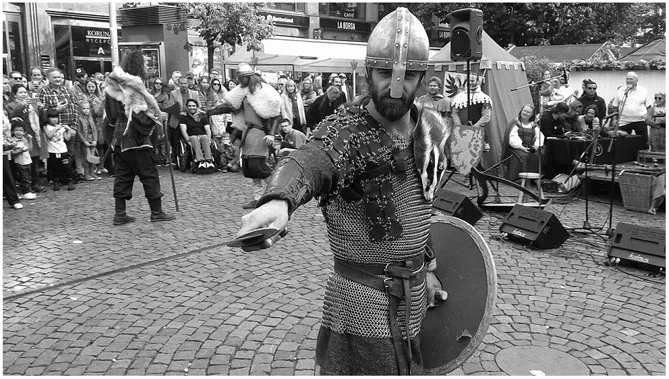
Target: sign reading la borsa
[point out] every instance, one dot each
(345, 25)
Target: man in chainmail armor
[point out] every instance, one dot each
(361, 167)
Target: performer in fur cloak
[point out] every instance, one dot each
(133, 113)
(257, 106)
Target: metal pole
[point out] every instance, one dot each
(113, 33)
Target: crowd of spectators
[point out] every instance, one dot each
(55, 132)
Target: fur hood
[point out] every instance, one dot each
(266, 102)
(130, 90)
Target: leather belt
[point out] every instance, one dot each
(401, 276)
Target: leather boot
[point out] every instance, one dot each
(157, 213)
(120, 217)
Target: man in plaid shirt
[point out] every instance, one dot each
(55, 95)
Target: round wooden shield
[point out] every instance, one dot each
(452, 331)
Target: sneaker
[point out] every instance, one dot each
(38, 189)
(224, 170)
(104, 170)
(18, 206)
(20, 195)
(96, 177)
(122, 219)
(200, 165)
(89, 178)
(71, 187)
(162, 216)
(211, 164)
(252, 204)
(29, 196)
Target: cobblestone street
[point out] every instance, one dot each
(83, 297)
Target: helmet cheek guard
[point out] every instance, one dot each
(398, 42)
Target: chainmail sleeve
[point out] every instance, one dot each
(300, 176)
(322, 167)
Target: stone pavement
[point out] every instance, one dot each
(82, 297)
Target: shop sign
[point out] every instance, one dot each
(286, 20)
(443, 34)
(345, 25)
(91, 42)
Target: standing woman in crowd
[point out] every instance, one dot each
(218, 122)
(308, 93)
(206, 97)
(29, 110)
(37, 81)
(657, 120)
(97, 103)
(163, 96)
(292, 107)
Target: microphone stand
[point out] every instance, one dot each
(611, 150)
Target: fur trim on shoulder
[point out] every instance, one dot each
(130, 90)
(266, 102)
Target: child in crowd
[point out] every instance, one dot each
(86, 141)
(229, 154)
(23, 143)
(58, 163)
(8, 184)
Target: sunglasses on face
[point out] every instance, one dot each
(591, 87)
(659, 98)
(216, 84)
(159, 83)
(16, 77)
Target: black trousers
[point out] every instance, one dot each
(255, 167)
(131, 163)
(8, 184)
(61, 168)
(639, 127)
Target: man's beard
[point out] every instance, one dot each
(391, 109)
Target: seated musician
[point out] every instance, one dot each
(589, 122)
(571, 123)
(525, 139)
(551, 123)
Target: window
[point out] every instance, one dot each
(345, 10)
(291, 7)
(385, 9)
(12, 44)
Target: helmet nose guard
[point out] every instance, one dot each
(398, 42)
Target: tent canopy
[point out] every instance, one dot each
(503, 72)
(293, 63)
(653, 50)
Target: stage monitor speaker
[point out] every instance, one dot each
(639, 244)
(541, 228)
(456, 205)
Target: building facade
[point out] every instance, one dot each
(77, 34)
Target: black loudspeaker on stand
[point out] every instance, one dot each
(541, 228)
(456, 205)
(639, 244)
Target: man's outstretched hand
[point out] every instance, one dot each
(273, 214)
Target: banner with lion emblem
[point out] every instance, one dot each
(466, 147)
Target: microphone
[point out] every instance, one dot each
(629, 87)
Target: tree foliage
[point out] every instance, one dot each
(235, 23)
(544, 23)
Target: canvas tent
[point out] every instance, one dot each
(653, 50)
(503, 72)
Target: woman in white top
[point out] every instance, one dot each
(525, 139)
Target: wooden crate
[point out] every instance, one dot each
(646, 156)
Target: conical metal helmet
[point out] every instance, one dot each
(244, 69)
(398, 42)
